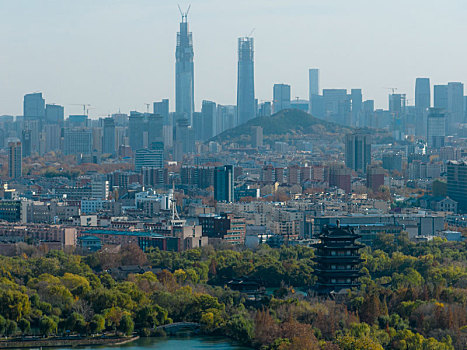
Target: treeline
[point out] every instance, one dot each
(412, 296)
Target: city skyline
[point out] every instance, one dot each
(99, 50)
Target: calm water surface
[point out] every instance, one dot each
(177, 343)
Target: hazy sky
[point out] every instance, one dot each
(120, 54)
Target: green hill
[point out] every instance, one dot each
(287, 124)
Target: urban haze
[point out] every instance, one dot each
(271, 175)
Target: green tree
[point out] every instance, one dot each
(240, 327)
(97, 324)
(348, 342)
(2, 325)
(126, 325)
(24, 325)
(11, 328)
(76, 323)
(47, 326)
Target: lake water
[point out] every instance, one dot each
(176, 343)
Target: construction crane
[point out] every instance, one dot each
(147, 107)
(251, 33)
(84, 105)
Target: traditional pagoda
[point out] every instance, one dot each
(337, 257)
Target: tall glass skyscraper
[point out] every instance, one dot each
(108, 138)
(281, 97)
(224, 183)
(313, 79)
(422, 103)
(455, 105)
(245, 81)
(422, 94)
(15, 160)
(34, 106)
(184, 72)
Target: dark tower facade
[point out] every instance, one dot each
(184, 72)
(337, 257)
(224, 183)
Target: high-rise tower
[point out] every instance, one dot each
(184, 71)
(422, 103)
(358, 151)
(15, 160)
(422, 94)
(245, 81)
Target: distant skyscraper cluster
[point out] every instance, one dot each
(42, 127)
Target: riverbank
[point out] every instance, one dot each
(64, 342)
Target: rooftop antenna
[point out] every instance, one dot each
(184, 14)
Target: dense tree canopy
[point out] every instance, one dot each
(413, 296)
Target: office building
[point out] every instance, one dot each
(281, 97)
(441, 97)
(246, 109)
(54, 114)
(313, 79)
(121, 119)
(13, 211)
(369, 114)
(392, 161)
(226, 117)
(184, 72)
(422, 103)
(34, 106)
(100, 188)
(108, 139)
(26, 142)
(149, 158)
(198, 126)
(224, 183)
(316, 107)
(455, 106)
(155, 124)
(457, 183)
(162, 108)
(358, 151)
(374, 177)
(225, 226)
(340, 177)
(265, 109)
(52, 137)
(397, 104)
(257, 137)
(77, 121)
(136, 130)
(77, 141)
(184, 139)
(336, 103)
(209, 120)
(31, 128)
(422, 94)
(15, 159)
(357, 104)
(436, 128)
